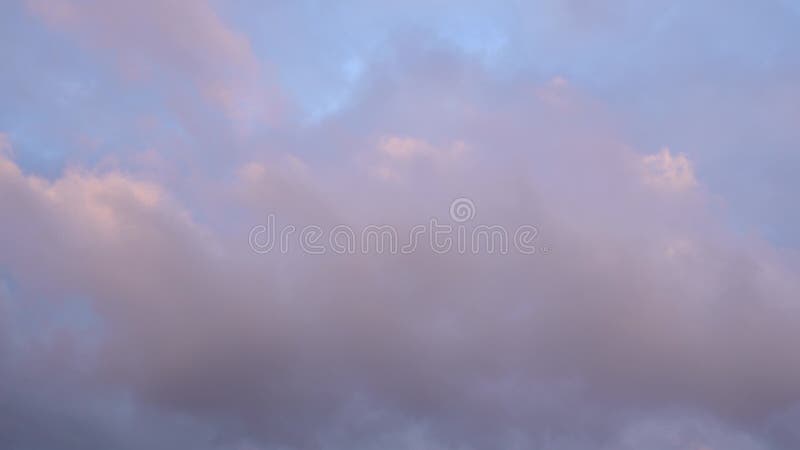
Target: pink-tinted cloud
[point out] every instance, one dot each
(187, 40)
(644, 305)
(135, 314)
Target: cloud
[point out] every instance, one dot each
(666, 172)
(186, 40)
(134, 314)
(396, 154)
(618, 322)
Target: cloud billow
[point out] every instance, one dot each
(135, 313)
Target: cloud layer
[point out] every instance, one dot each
(134, 314)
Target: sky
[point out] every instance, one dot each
(181, 182)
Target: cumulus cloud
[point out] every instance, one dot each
(135, 315)
(186, 40)
(567, 349)
(396, 154)
(667, 172)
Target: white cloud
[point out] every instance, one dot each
(666, 172)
